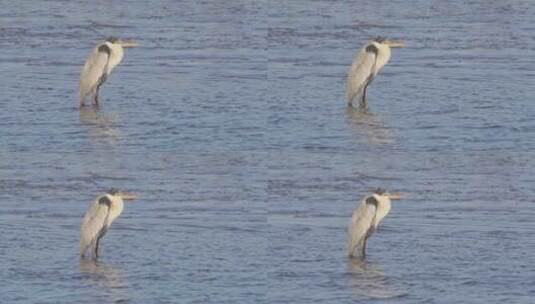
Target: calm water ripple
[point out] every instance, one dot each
(230, 122)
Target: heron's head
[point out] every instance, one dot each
(379, 39)
(391, 196)
(122, 42)
(390, 43)
(123, 195)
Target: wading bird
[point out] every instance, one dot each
(97, 220)
(368, 62)
(98, 66)
(366, 218)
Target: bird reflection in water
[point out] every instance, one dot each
(369, 125)
(368, 281)
(99, 125)
(109, 281)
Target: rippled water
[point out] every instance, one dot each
(230, 123)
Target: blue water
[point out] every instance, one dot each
(229, 121)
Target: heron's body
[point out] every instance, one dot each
(365, 220)
(98, 66)
(103, 211)
(98, 219)
(367, 63)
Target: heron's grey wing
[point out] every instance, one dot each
(361, 221)
(360, 74)
(94, 222)
(95, 68)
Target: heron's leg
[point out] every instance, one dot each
(95, 253)
(363, 248)
(100, 82)
(363, 101)
(95, 97)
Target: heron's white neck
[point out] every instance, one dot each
(116, 55)
(382, 56)
(116, 208)
(383, 207)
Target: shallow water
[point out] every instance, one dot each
(228, 114)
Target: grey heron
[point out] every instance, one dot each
(366, 218)
(99, 64)
(370, 59)
(97, 220)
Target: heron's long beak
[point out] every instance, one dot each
(393, 44)
(396, 196)
(128, 43)
(128, 196)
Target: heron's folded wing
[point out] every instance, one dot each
(361, 222)
(359, 74)
(95, 66)
(94, 221)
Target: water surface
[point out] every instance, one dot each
(230, 123)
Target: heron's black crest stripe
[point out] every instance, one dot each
(372, 49)
(372, 201)
(105, 201)
(104, 49)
